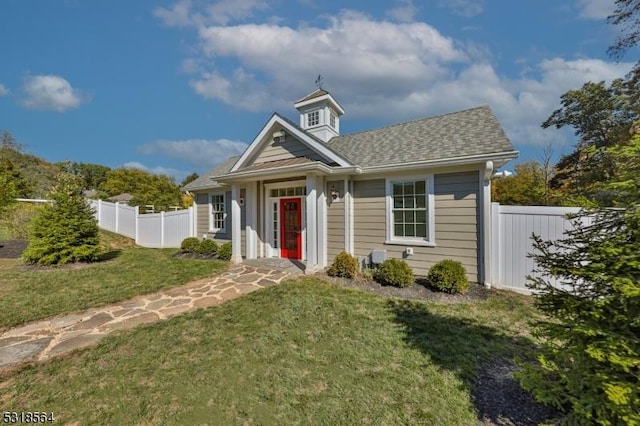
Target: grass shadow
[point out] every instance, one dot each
(481, 356)
(108, 255)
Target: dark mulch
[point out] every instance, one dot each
(420, 291)
(497, 395)
(12, 249)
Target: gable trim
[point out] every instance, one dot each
(301, 135)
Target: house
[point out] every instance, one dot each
(125, 197)
(419, 190)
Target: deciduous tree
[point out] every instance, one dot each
(146, 188)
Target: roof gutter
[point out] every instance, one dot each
(453, 161)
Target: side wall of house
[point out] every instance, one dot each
(335, 219)
(202, 213)
(456, 223)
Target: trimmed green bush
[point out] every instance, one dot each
(64, 230)
(344, 265)
(190, 245)
(449, 276)
(207, 246)
(225, 251)
(394, 272)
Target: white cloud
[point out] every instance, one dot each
(177, 16)
(52, 93)
(224, 11)
(185, 13)
(595, 9)
(198, 153)
(3, 90)
(400, 71)
(405, 12)
(391, 60)
(466, 8)
(177, 174)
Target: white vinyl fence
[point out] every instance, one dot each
(511, 243)
(157, 230)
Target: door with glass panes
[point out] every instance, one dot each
(291, 228)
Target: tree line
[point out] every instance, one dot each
(26, 176)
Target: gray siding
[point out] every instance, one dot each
(335, 220)
(202, 212)
(289, 148)
(456, 223)
(202, 208)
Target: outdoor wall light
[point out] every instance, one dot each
(334, 194)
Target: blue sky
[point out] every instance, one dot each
(178, 86)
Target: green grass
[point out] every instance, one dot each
(5, 234)
(27, 295)
(304, 352)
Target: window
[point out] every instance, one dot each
(217, 212)
(332, 120)
(410, 207)
(289, 192)
(313, 118)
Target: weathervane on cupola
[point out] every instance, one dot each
(320, 113)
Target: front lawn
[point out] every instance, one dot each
(303, 352)
(33, 293)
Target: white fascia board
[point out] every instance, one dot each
(288, 171)
(256, 142)
(506, 156)
(302, 136)
(334, 104)
(319, 147)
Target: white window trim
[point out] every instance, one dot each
(224, 216)
(430, 241)
(268, 200)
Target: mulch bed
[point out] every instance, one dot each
(12, 249)
(420, 291)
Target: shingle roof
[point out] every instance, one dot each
(313, 95)
(474, 131)
(206, 180)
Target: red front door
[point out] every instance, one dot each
(291, 228)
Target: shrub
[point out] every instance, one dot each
(225, 251)
(344, 265)
(394, 272)
(207, 246)
(449, 276)
(190, 245)
(65, 230)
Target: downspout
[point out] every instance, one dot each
(485, 225)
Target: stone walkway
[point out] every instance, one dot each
(44, 339)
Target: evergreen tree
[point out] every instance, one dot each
(589, 364)
(65, 229)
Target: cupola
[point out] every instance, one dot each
(320, 114)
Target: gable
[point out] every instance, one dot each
(284, 149)
(281, 140)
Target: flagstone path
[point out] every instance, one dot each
(44, 339)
